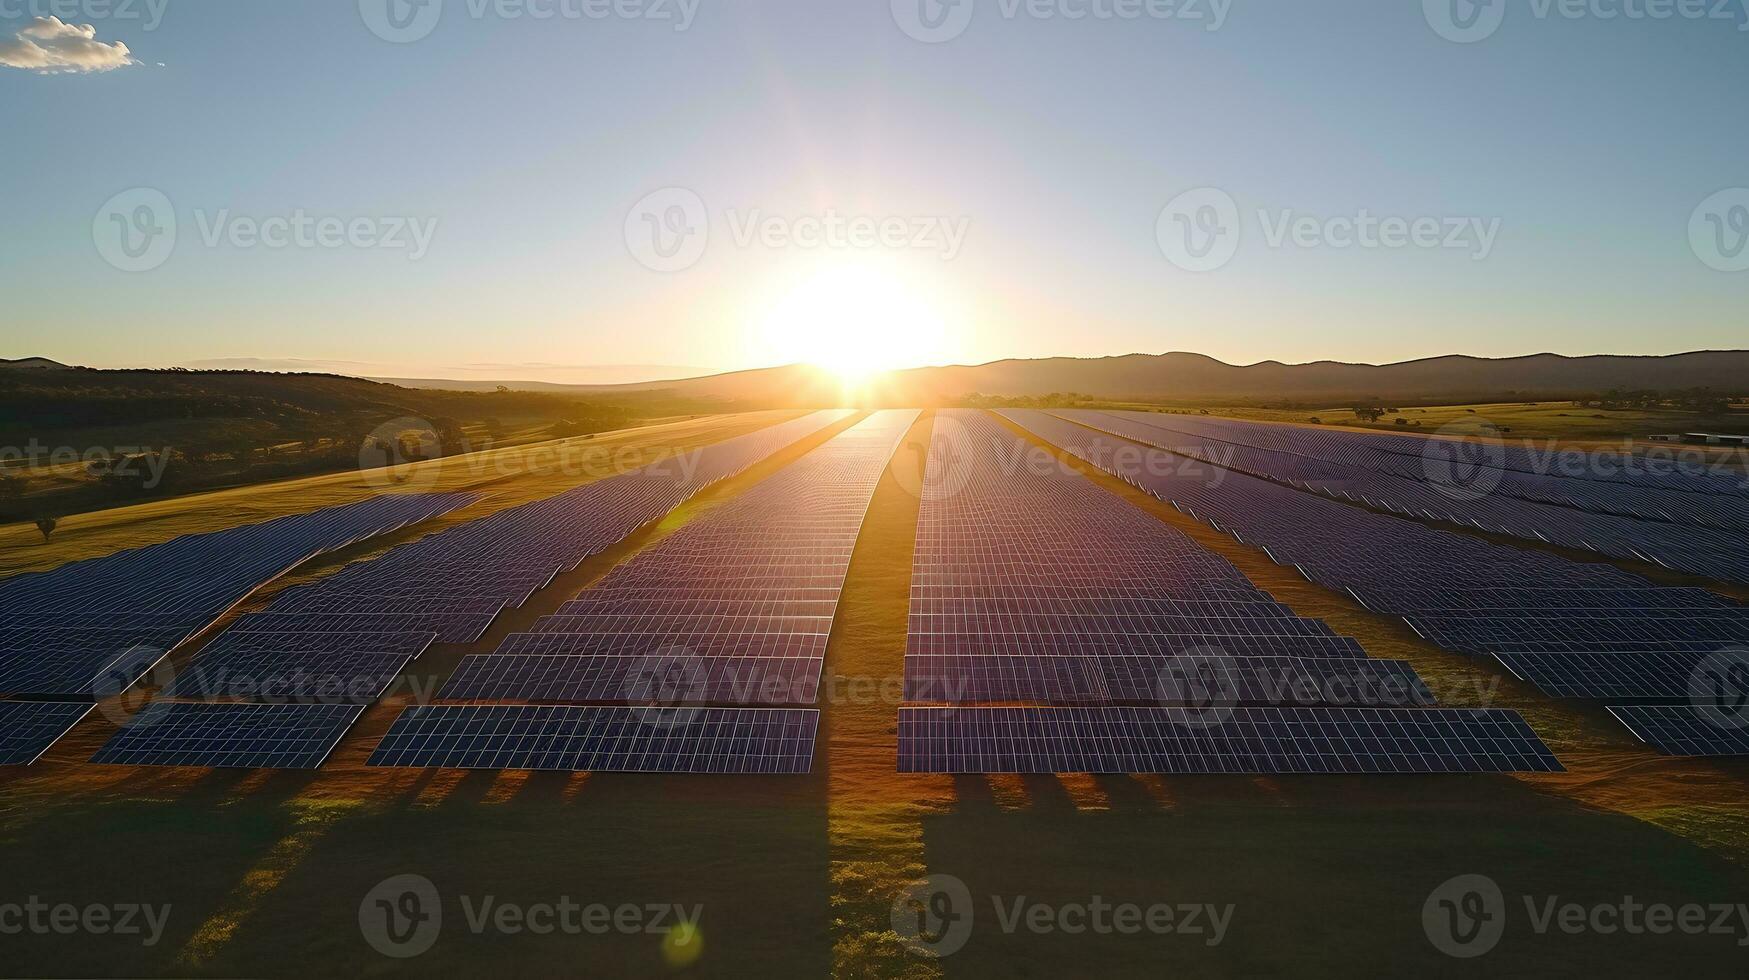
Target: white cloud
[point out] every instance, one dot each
(50, 46)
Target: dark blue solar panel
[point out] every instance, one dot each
(230, 736)
(1239, 740)
(28, 728)
(1195, 680)
(1640, 676)
(348, 678)
(658, 679)
(1686, 729)
(602, 739)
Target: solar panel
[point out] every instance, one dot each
(352, 677)
(1193, 680)
(28, 728)
(1641, 676)
(85, 663)
(734, 607)
(1238, 740)
(450, 628)
(602, 739)
(230, 736)
(1459, 591)
(98, 625)
(1686, 729)
(655, 679)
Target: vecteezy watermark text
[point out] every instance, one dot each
(403, 916)
(1468, 916)
(935, 21)
(668, 230)
(1469, 21)
(38, 917)
(406, 21)
(937, 915)
(138, 230)
(1201, 230)
(149, 13)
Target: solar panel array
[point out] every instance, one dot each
(1691, 522)
(343, 640)
(95, 626)
(1574, 629)
(1244, 740)
(1030, 584)
(1686, 729)
(732, 609)
(28, 728)
(92, 628)
(574, 738)
(230, 736)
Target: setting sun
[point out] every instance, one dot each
(855, 321)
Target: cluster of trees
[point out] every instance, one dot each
(1371, 410)
(1056, 399)
(216, 429)
(1700, 401)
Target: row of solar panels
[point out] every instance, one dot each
(347, 637)
(96, 626)
(1607, 483)
(810, 511)
(351, 634)
(1461, 493)
(1133, 648)
(1584, 630)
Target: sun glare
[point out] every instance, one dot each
(855, 321)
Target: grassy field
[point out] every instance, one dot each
(796, 876)
(1563, 421)
(506, 477)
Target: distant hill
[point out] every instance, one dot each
(1195, 378)
(31, 364)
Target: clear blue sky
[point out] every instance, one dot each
(529, 141)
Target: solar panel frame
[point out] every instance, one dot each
(593, 738)
(1273, 741)
(230, 735)
(29, 728)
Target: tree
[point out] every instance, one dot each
(46, 525)
(450, 438)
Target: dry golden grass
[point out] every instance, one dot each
(510, 476)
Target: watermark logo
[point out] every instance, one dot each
(1464, 461)
(149, 13)
(1464, 21)
(1465, 916)
(402, 916)
(135, 231)
(120, 692)
(933, 917)
(1718, 687)
(936, 21)
(936, 469)
(36, 916)
(391, 454)
(1718, 231)
(668, 230)
(1202, 683)
(401, 21)
(665, 688)
(1199, 230)
(933, 21)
